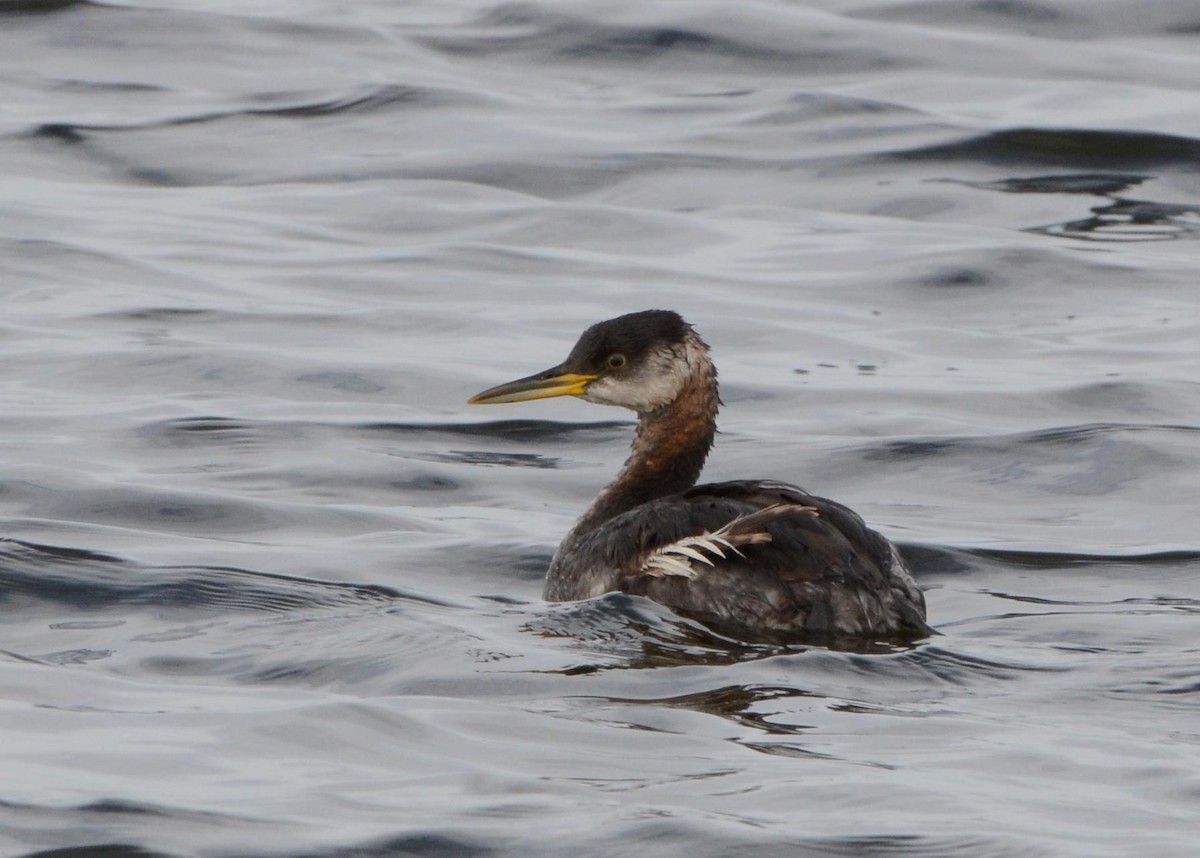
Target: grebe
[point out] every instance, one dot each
(764, 559)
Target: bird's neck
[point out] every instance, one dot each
(669, 449)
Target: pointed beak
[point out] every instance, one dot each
(541, 385)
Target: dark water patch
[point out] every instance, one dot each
(176, 512)
(104, 86)
(166, 314)
(53, 577)
(935, 559)
(489, 457)
(1184, 683)
(1065, 560)
(1005, 15)
(188, 426)
(533, 30)
(87, 624)
(59, 132)
(1044, 20)
(1130, 220)
(369, 100)
(425, 483)
(1116, 150)
(590, 42)
(1095, 184)
(416, 845)
(119, 807)
(219, 432)
(644, 42)
(38, 7)
(524, 431)
(349, 382)
(1096, 443)
(1190, 605)
(931, 560)
(101, 850)
(1121, 219)
(958, 278)
(300, 106)
(56, 554)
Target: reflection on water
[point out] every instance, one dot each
(269, 586)
(1131, 220)
(1122, 219)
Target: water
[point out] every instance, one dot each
(271, 588)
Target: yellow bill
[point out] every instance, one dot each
(542, 385)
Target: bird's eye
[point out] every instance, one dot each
(617, 360)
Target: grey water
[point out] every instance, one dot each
(269, 587)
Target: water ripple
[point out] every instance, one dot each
(55, 575)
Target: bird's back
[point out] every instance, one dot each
(761, 558)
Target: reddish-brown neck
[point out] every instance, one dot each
(669, 450)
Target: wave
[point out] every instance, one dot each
(1079, 148)
(52, 576)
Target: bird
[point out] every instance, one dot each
(756, 559)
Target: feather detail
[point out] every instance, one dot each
(679, 558)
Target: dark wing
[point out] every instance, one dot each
(820, 572)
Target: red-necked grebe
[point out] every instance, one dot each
(763, 558)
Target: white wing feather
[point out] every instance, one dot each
(676, 558)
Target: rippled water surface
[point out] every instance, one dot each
(270, 587)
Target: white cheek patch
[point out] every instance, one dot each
(652, 386)
(601, 392)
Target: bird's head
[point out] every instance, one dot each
(640, 361)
